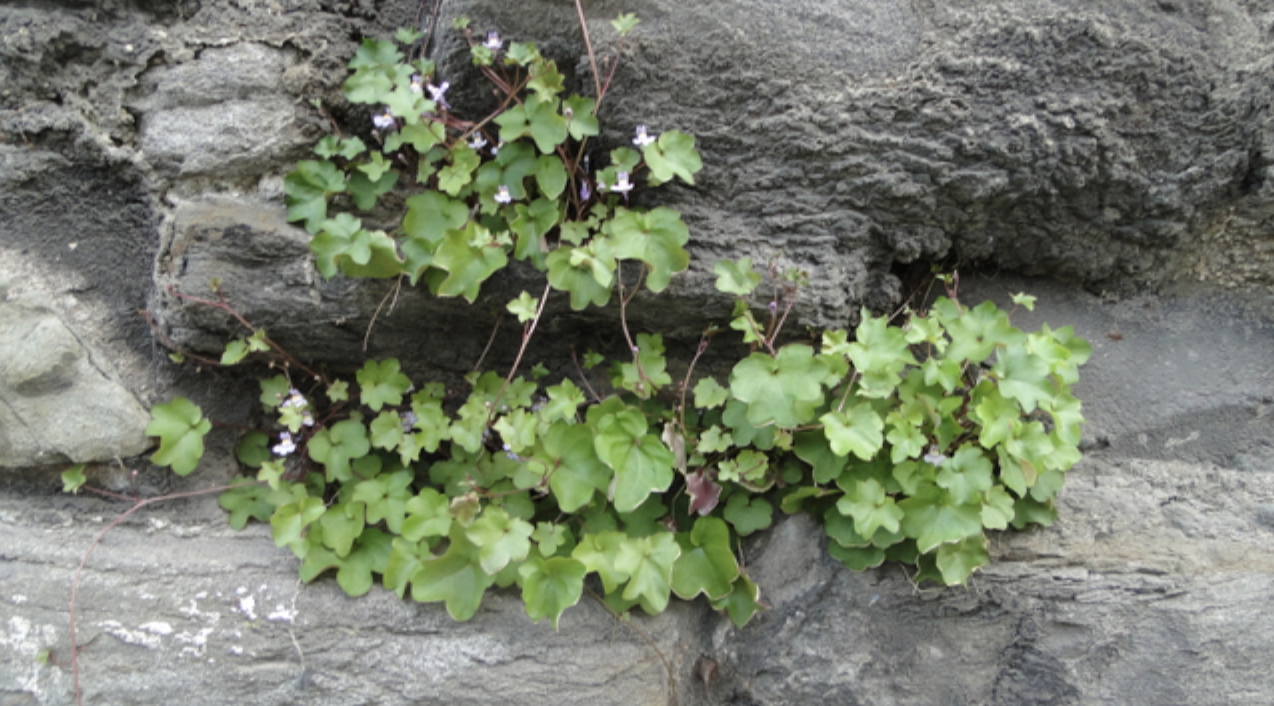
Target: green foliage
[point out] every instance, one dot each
(907, 441)
(180, 427)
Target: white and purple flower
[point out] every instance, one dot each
(643, 138)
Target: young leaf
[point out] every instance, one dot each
(73, 478)
(642, 464)
(707, 564)
(782, 389)
(455, 577)
(673, 154)
(736, 278)
(382, 384)
(180, 427)
(550, 586)
(748, 514)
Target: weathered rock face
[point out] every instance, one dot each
(1123, 146)
(57, 405)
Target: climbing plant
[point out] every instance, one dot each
(908, 438)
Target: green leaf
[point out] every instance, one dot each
(427, 515)
(598, 553)
(564, 402)
(332, 146)
(499, 538)
(736, 278)
(382, 384)
(550, 586)
(469, 258)
(455, 577)
(290, 520)
(997, 508)
(743, 602)
(625, 24)
(253, 449)
(857, 558)
(546, 82)
(576, 471)
(539, 118)
(582, 122)
(656, 238)
(1023, 377)
(856, 431)
(642, 464)
(180, 427)
(673, 154)
(307, 189)
(648, 562)
(880, 353)
(576, 270)
(966, 475)
(932, 518)
(714, 440)
(958, 560)
(73, 478)
(707, 564)
(871, 509)
(455, 176)
(406, 35)
(710, 394)
(366, 188)
(549, 537)
(386, 498)
(342, 524)
(782, 389)
(748, 515)
(246, 500)
(749, 466)
(531, 224)
(975, 333)
(524, 307)
(337, 445)
(813, 448)
(550, 175)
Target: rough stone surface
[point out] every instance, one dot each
(1123, 146)
(56, 404)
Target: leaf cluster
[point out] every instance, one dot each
(908, 441)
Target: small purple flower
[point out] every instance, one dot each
(495, 149)
(478, 141)
(385, 120)
(295, 399)
(584, 191)
(416, 83)
(622, 185)
(934, 457)
(285, 445)
(438, 93)
(502, 195)
(642, 138)
(409, 420)
(774, 307)
(493, 41)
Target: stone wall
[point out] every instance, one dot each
(1118, 153)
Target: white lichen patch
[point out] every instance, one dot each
(248, 606)
(25, 640)
(282, 614)
(196, 644)
(157, 628)
(18, 599)
(140, 638)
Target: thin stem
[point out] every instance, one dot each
(398, 284)
(592, 58)
(704, 340)
(494, 330)
(526, 340)
(584, 378)
(222, 305)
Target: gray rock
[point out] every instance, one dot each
(58, 406)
